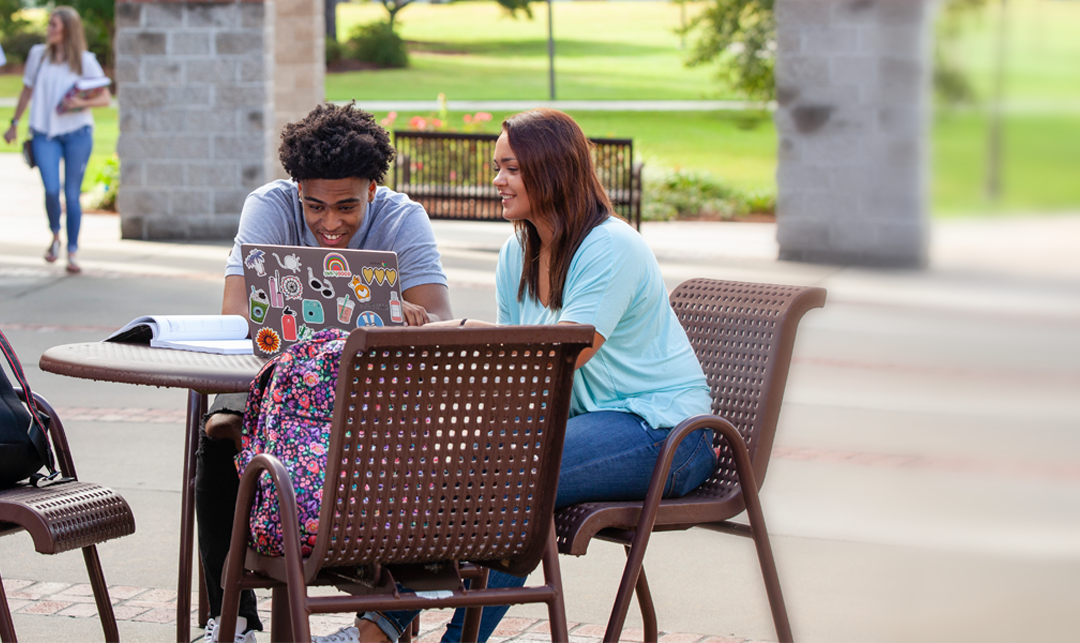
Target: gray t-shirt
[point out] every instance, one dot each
(272, 214)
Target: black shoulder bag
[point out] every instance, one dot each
(24, 444)
(28, 144)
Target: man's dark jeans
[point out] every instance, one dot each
(216, 486)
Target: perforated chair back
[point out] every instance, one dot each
(445, 447)
(442, 441)
(743, 335)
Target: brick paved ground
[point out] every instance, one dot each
(150, 605)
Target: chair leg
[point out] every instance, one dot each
(7, 627)
(768, 565)
(470, 629)
(281, 625)
(553, 577)
(101, 594)
(635, 555)
(645, 603)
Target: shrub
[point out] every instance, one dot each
(690, 194)
(377, 43)
(673, 194)
(761, 201)
(17, 45)
(335, 51)
(102, 196)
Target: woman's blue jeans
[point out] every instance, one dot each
(607, 456)
(74, 148)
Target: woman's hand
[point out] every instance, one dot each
(11, 134)
(74, 102)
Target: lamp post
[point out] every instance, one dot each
(551, 54)
(993, 156)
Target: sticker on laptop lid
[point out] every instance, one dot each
(335, 265)
(256, 260)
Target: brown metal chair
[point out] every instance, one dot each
(444, 450)
(743, 335)
(62, 517)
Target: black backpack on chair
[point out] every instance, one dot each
(24, 443)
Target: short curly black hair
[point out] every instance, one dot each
(336, 142)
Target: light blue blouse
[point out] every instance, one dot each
(646, 365)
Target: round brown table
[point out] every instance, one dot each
(199, 373)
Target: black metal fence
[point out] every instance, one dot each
(450, 174)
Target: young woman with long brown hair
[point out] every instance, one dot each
(572, 261)
(61, 124)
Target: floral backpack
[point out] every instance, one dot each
(288, 415)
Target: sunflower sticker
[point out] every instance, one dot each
(268, 341)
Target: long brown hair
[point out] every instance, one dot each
(557, 169)
(74, 43)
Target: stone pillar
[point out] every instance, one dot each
(196, 111)
(299, 66)
(853, 81)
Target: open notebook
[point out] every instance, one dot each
(295, 291)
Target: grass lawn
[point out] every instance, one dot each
(474, 51)
(1040, 170)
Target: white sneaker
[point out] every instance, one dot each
(241, 622)
(348, 634)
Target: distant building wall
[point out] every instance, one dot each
(198, 86)
(853, 82)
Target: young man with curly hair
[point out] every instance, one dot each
(337, 156)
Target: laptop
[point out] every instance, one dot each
(296, 291)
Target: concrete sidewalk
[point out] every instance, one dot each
(925, 482)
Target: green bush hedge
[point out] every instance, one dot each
(691, 194)
(377, 43)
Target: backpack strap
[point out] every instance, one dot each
(38, 430)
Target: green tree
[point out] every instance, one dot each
(951, 83)
(98, 18)
(739, 36)
(10, 21)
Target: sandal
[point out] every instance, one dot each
(72, 267)
(53, 253)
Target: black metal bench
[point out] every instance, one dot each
(450, 174)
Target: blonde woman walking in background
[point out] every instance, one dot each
(60, 123)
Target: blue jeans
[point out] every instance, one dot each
(607, 456)
(74, 148)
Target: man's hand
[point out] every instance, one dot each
(426, 303)
(415, 315)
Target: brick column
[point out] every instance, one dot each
(853, 87)
(299, 65)
(196, 114)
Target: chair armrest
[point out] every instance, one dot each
(57, 436)
(290, 529)
(743, 465)
(245, 497)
